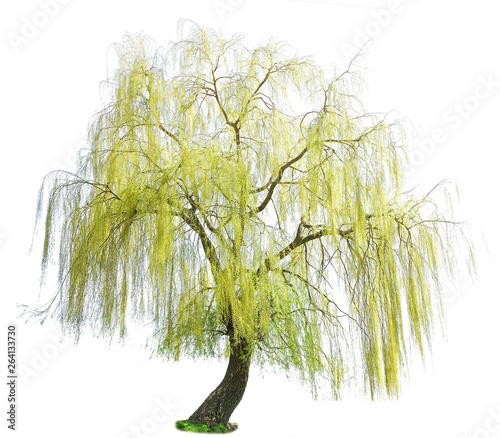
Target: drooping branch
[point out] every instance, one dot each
(326, 297)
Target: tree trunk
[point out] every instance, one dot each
(220, 404)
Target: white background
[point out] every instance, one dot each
(428, 61)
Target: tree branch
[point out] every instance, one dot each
(172, 136)
(274, 183)
(194, 223)
(299, 240)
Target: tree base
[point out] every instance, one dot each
(198, 426)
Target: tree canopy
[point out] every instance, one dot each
(244, 193)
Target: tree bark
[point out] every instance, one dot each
(220, 404)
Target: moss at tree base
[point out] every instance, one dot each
(195, 426)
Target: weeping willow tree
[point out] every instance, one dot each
(246, 206)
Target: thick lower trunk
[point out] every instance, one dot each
(220, 404)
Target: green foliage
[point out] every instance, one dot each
(191, 426)
(242, 192)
